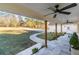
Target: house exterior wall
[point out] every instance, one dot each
(65, 28)
(78, 28)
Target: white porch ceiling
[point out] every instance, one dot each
(37, 10)
(20, 10)
(41, 8)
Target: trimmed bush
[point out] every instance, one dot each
(74, 41)
(34, 50)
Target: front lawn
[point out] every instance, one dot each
(50, 35)
(12, 42)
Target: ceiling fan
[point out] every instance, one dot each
(68, 22)
(61, 11)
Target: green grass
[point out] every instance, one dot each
(12, 42)
(50, 36)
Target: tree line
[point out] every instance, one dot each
(17, 21)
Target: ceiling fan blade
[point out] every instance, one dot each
(69, 6)
(54, 15)
(64, 12)
(48, 14)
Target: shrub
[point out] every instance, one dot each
(34, 50)
(74, 41)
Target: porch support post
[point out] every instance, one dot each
(46, 33)
(61, 27)
(56, 28)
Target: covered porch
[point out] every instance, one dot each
(39, 11)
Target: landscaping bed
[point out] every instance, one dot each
(50, 35)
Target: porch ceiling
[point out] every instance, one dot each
(41, 8)
(37, 10)
(20, 10)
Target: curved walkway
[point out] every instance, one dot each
(37, 39)
(28, 51)
(56, 47)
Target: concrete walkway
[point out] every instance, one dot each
(37, 39)
(39, 44)
(60, 46)
(28, 51)
(56, 47)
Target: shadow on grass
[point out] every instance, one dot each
(14, 43)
